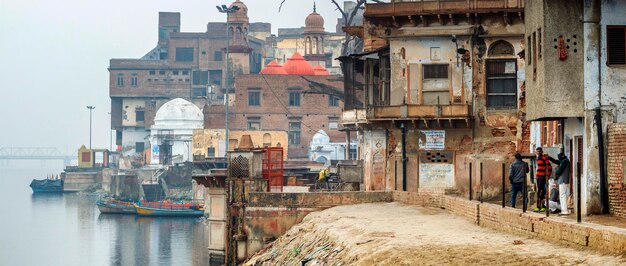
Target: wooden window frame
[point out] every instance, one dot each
(608, 50)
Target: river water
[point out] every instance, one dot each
(68, 229)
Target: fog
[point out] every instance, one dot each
(54, 57)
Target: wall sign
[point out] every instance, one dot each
(432, 139)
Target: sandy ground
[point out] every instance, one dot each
(397, 234)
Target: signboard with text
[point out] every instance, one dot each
(432, 139)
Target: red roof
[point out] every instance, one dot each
(297, 65)
(320, 71)
(273, 68)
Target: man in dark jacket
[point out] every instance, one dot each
(517, 176)
(563, 178)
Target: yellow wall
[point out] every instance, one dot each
(205, 138)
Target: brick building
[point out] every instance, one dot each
(188, 65)
(299, 103)
(438, 87)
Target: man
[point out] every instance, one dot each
(517, 176)
(553, 204)
(544, 170)
(323, 177)
(562, 176)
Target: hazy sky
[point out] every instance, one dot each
(54, 57)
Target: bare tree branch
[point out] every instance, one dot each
(281, 5)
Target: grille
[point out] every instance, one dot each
(240, 167)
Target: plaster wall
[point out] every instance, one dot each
(130, 137)
(205, 138)
(129, 115)
(613, 76)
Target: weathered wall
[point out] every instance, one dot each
(205, 138)
(554, 85)
(613, 76)
(81, 181)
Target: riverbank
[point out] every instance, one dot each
(398, 234)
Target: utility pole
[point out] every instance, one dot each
(227, 11)
(90, 111)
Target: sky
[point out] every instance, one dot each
(54, 57)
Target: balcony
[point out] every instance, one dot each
(439, 114)
(354, 116)
(430, 7)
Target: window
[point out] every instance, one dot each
(200, 77)
(333, 124)
(184, 54)
(254, 98)
(217, 56)
(185, 72)
(529, 51)
(175, 72)
(139, 115)
(333, 101)
(294, 132)
(120, 80)
(534, 58)
(539, 43)
(294, 98)
(210, 152)
(616, 45)
(161, 72)
(254, 125)
(133, 80)
(436, 71)
(199, 92)
(152, 72)
(139, 147)
(502, 84)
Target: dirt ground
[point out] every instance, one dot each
(397, 234)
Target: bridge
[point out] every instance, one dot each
(34, 153)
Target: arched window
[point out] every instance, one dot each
(317, 46)
(402, 53)
(501, 48)
(267, 140)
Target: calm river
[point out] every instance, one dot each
(68, 229)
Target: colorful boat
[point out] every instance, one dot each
(115, 206)
(172, 211)
(47, 185)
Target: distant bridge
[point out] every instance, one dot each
(34, 153)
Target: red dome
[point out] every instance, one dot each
(273, 68)
(320, 71)
(297, 65)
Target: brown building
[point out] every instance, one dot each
(188, 65)
(299, 104)
(440, 86)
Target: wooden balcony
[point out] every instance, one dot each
(430, 7)
(439, 114)
(354, 116)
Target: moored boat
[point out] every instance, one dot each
(172, 211)
(47, 185)
(115, 206)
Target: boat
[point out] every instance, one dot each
(174, 210)
(115, 206)
(47, 185)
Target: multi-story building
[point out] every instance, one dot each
(575, 89)
(296, 99)
(440, 86)
(188, 65)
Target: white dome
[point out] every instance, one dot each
(320, 137)
(178, 114)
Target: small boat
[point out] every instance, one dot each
(173, 211)
(115, 206)
(47, 185)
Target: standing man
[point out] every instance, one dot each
(517, 176)
(544, 170)
(562, 173)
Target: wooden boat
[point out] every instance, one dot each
(47, 185)
(115, 206)
(172, 211)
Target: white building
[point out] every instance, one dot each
(322, 150)
(171, 134)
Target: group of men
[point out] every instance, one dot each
(558, 196)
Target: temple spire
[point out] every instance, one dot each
(314, 8)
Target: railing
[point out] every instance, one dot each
(428, 7)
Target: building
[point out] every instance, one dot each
(323, 151)
(298, 102)
(439, 87)
(187, 65)
(171, 134)
(210, 143)
(312, 41)
(575, 93)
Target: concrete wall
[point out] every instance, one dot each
(205, 138)
(82, 181)
(126, 187)
(554, 85)
(613, 76)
